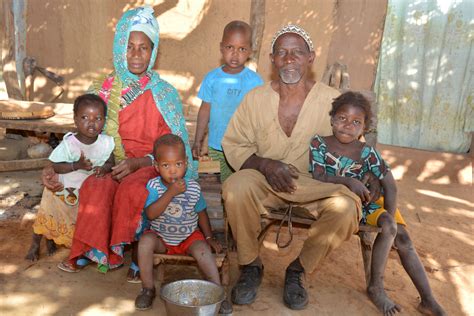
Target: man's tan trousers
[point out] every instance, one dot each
(247, 195)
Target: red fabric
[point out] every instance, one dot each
(109, 211)
(129, 201)
(140, 124)
(182, 248)
(94, 216)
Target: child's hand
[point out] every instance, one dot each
(177, 187)
(196, 150)
(99, 171)
(360, 189)
(214, 244)
(83, 163)
(373, 184)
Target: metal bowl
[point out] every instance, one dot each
(192, 297)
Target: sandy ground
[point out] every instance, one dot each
(435, 196)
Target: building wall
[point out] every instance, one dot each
(74, 38)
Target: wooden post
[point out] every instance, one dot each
(7, 34)
(257, 22)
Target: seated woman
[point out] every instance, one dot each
(140, 108)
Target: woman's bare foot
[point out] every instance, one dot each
(431, 308)
(51, 246)
(33, 252)
(380, 299)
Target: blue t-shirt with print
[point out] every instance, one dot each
(225, 92)
(180, 219)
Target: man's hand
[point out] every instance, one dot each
(373, 183)
(177, 187)
(50, 179)
(214, 244)
(124, 168)
(360, 189)
(280, 175)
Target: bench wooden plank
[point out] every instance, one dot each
(57, 124)
(182, 259)
(278, 215)
(62, 122)
(23, 164)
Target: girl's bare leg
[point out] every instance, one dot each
(381, 248)
(149, 244)
(51, 246)
(33, 252)
(413, 266)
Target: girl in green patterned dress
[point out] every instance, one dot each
(343, 159)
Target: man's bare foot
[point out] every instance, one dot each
(51, 246)
(431, 308)
(380, 299)
(33, 253)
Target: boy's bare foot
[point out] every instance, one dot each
(33, 253)
(51, 246)
(431, 308)
(382, 302)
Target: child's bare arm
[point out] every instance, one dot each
(205, 226)
(156, 208)
(202, 122)
(66, 167)
(389, 192)
(354, 185)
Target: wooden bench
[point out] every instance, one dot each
(366, 233)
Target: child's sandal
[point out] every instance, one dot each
(102, 268)
(66, 266)
(144, 300)
(133, 275)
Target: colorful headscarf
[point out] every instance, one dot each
(295, 29)
(139, 19)
(166, 97)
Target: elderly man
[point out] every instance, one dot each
(267, 141)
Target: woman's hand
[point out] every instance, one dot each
(360, 189)
(124, 168)
(50, 179)
(214, 244)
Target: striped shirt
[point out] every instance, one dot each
(180, 219)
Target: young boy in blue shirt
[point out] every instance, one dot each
(222, 91)
(179, 224)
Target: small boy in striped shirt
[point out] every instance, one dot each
(179, 222)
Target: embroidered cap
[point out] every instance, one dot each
(292, 28)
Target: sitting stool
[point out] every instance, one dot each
(222, 262)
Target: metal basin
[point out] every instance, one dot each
(192, 297)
